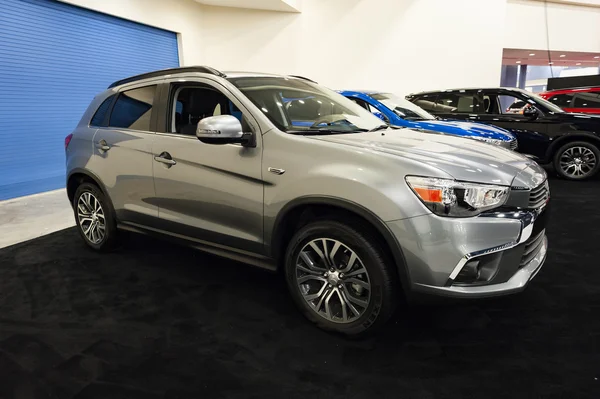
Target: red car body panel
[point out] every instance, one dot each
(548, 95)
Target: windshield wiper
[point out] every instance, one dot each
(316, 132)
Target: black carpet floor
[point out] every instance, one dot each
(155, 320)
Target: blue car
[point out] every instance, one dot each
(397, 111)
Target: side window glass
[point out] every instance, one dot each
(100, 115)
(376, 112)
(561, 100)
(462, 103)
(511, 105)
(133, 109)
(192, 104)
(587, 100)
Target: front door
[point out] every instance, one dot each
(208, 192)
(530, 131)
(123, 155)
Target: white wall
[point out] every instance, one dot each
(396, 45)
(571, 27)
(181, 16)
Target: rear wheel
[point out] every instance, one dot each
(578, 160)
(340, 278)
(94, 218)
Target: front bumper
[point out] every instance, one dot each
(436, 250)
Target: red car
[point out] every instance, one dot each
(584, 100)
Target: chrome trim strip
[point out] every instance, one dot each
(527, 220)
(516, 283)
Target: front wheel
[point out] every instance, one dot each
(578, 160)
(340, 278)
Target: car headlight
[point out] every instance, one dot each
(490, 141)
(446, 197)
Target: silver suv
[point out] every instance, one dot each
(282, 173)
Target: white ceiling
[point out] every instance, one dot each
(273, 5)
(541, 57)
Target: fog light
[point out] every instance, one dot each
(478, 271)
(470, 272)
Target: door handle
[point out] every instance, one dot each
(165, 158)
(102, 145)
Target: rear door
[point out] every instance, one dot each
(587, 103)
(532, 133)
(123, 154)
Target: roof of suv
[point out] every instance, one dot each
(467, 89)
(197, 69)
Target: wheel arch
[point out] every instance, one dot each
(302, 210)
(78, 176)
(568, 138)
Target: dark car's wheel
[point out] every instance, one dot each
(577, 160)
(95, 221)
(340, 278)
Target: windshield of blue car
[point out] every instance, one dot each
(402, 107)
(299, 106)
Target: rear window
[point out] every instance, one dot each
(99, 118)
(587, 100)
(133, 109)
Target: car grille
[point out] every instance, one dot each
(532, 247)
(514, 144)
(539, 196)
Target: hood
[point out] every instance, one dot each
(465, 129)
(462, 159)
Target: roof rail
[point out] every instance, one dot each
(163, 72)
(302, 77)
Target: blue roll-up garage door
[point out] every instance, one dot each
(54, 58)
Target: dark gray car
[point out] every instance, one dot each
(281, 173)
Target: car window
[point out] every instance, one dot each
(402, 107)
(133, 109)
(298, 106)
(587, 100)
(457, 102)
(508, 104)
(192, 104)
(561, 100)
(425, 101)
(100, 116)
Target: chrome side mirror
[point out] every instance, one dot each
(223, 129)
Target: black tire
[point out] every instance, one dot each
(383, 278)
(109, 238)
(573, 146)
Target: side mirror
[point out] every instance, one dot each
(531, 112)
(223, 129)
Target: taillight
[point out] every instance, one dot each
(68, 140)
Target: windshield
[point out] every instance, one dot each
(402, 107)
(550, 106)
(301, 107)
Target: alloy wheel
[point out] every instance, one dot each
(333, 280)
(578, 161)
(90, 214)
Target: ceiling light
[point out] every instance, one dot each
(550, 63)
(598, 56)
(579, 63)
(532, 54)
(518, 62)
(562, 56)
